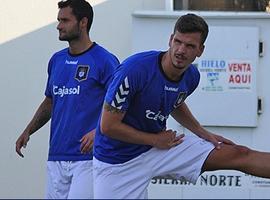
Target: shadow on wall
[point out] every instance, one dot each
(23, 79)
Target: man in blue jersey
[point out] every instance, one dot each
(132, 144)
(78, 77)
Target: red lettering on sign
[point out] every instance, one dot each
(243, 78)
(239, 67)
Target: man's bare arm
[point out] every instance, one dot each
(112, 126)
(41, 117)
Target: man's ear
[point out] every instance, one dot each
(84, 22)
(171, 39)
(201, 49)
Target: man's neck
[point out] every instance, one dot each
(77, 47)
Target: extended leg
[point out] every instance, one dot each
(240, 158)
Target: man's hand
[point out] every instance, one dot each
(216, 140)
(167, 139)
(22, 142)
(87, 142)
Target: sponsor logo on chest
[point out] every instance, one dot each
(155, 116)
(62, 91)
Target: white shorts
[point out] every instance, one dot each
(69, 180)
(129, 180)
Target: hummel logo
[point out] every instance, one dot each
(70, 62)
(172, 89)
(121, 94)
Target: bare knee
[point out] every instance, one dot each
(238, 155)
(228, 157)
(241, 150)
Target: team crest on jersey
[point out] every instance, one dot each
(180, 99)
(82, 72)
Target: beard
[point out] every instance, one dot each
(74, 34)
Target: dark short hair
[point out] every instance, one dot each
(80, 9)
(191, 23)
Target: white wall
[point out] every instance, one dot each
(113, 23)
(28, 37)
(25, 49)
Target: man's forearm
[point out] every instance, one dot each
(116, 129)
(183, 116)
(41, 117)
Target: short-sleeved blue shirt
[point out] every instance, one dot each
(77, 85)
(142, 90)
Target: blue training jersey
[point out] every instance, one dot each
(142, 90)
(77, 85)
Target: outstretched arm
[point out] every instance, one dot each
(112, 126)
(183, 115)
(41, 117)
